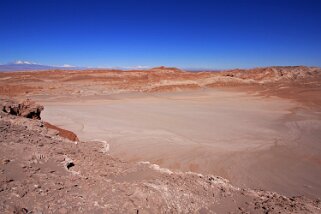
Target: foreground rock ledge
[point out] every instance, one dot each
(43, 172)
(26, 108)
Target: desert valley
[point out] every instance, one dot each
(162, 140)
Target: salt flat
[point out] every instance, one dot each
(253, 141)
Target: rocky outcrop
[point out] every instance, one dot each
(29, 109)
(164, 70)
(276, 74)
(26, 108)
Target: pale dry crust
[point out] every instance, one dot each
(41, 172)
(254, 141)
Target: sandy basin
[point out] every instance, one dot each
(256, 142)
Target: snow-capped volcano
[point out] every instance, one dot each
(22, 65)
(21, 62)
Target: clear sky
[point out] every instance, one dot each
(189, 34)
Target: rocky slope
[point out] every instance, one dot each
(42, 172)
(104, 82)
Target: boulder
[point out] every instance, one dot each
(26, 108)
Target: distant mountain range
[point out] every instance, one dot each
(29, 66)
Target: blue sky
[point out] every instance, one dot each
(189, 34)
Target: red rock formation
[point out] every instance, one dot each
(30, 109)
(26, 108)
(62, 132)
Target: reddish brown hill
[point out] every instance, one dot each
(77, 83)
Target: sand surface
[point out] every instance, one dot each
(269, 143)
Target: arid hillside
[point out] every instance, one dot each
(75, 83)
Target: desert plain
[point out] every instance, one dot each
(258, 128)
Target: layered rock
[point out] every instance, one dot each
(105, 82)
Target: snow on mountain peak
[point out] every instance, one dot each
(21, 62)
